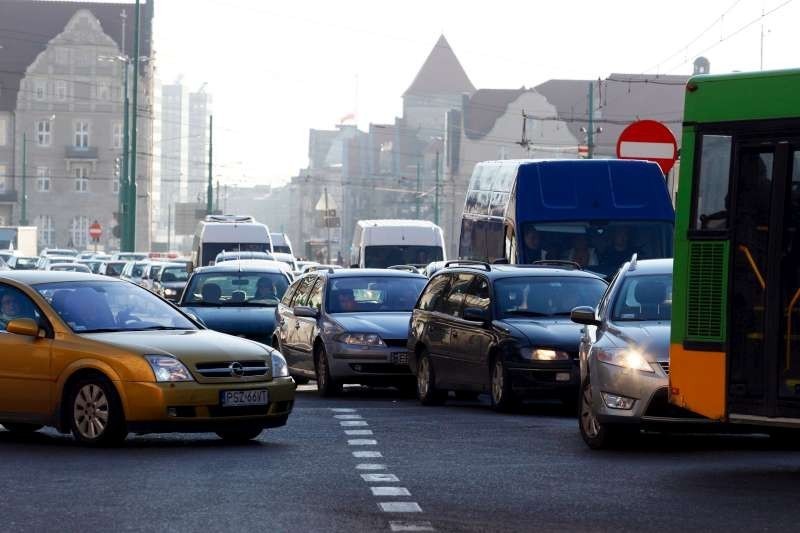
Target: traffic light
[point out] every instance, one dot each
(116, 231)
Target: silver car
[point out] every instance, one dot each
(348, 326)
(624, 356)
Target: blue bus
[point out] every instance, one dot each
(594, 212)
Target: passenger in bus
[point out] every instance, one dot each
(581, 253)
(533, 245)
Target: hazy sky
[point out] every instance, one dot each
(277, 68)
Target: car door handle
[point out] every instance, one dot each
(297, 325)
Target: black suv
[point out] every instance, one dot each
(500, 329)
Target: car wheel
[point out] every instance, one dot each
(596, 434)
(96, 416)
(427, 392)
(240, 435)
(15, 427)
(466, 395)
(502, 395)
(326, 385)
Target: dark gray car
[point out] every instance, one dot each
(624, 356)
(348, 326)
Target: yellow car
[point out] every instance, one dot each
(100, 358)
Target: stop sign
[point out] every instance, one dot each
(648, 140)
(95, 230)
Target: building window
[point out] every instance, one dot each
(81, 179)
(81, 134)
(116, 135)
(40, 89)
(3, 132)
(115, 185)
(103, 91)
(3, 178)
(47, 231)
(44, 134)
(79, 231)
(61, 90)
(43, 179)
(62, 56)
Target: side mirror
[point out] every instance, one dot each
(23, 326)
(474, 314)
(305, 312)
(585, 316)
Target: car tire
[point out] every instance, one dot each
(597, 435)
(95, 412)
(466, 395)
(427, 392)
(238, 436)
(501, 392)
(326, 385)
(21, 428)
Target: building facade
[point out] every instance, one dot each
(197, 155)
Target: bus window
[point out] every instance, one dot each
(711, 207)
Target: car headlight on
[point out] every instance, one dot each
(167, 369)
(279, 367)
(544, 354)
(625, 357)
(361, 339)
(170, 292)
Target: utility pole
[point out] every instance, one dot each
(169, 227)
(417, 198)
(123, 177)
(23, 219)
(218, 196)
(210, 191)
(328, 227)
(134, 133)
(590, 129)
(436, 193)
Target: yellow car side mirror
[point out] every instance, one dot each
(23, 326)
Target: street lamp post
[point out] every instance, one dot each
(23, 219)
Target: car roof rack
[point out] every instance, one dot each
(469, 264)
(558, 263)
(634, 259)
(405, 268)
(317, 268)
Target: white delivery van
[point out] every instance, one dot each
(385, 243)
(281, 243)
(228, 233)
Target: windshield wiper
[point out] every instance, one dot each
(525, 312)
(99, 330)
(157, 328)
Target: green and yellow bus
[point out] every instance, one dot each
(735, 346)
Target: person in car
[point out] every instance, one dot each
(10, 309)
(620, 250)
(211, 293)
(265, 290)
(347, 303)
(533, 244)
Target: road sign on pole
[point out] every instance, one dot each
(648, 140)
(95, 231)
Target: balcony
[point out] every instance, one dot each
(72, 152)
(8, 197)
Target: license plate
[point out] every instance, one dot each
(562, 376)
(240, 398)
(399, 358)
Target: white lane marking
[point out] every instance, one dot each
(355, 432)
(400, 507)
(403, 525)
(351, 423)
(370, 466)
(647, 149)
(347, 417)
(342, 410)
(362, 442)
(380, 478)
(390, 491)
(306, 388)
(366, 455)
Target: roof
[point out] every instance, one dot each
(516, 271)
(272, 267)
(396, 223)
(47, 19)
(441, 73)
(484, 107)
(35, 277)
(648, 267)
(364, 272)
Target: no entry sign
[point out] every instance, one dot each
(95, 230)
(648, 140)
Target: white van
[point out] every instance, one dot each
(281, 243)
(385, 243)
(228, 233)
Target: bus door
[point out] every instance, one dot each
(764, 337)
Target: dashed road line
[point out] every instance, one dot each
(390, 491)
(370, 466)
(380, 478)
(367, 454)
(352, 423)
(348, 417)
(402, 525)
(400, 507)
(362, 442)
(354, 432)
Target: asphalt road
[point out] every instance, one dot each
(460, 467)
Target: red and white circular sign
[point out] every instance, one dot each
(649, 140)
(95, 230)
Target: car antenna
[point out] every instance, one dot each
(634, 258)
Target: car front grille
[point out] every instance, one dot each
(396, 343)
(664, 366)
(225, 369)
